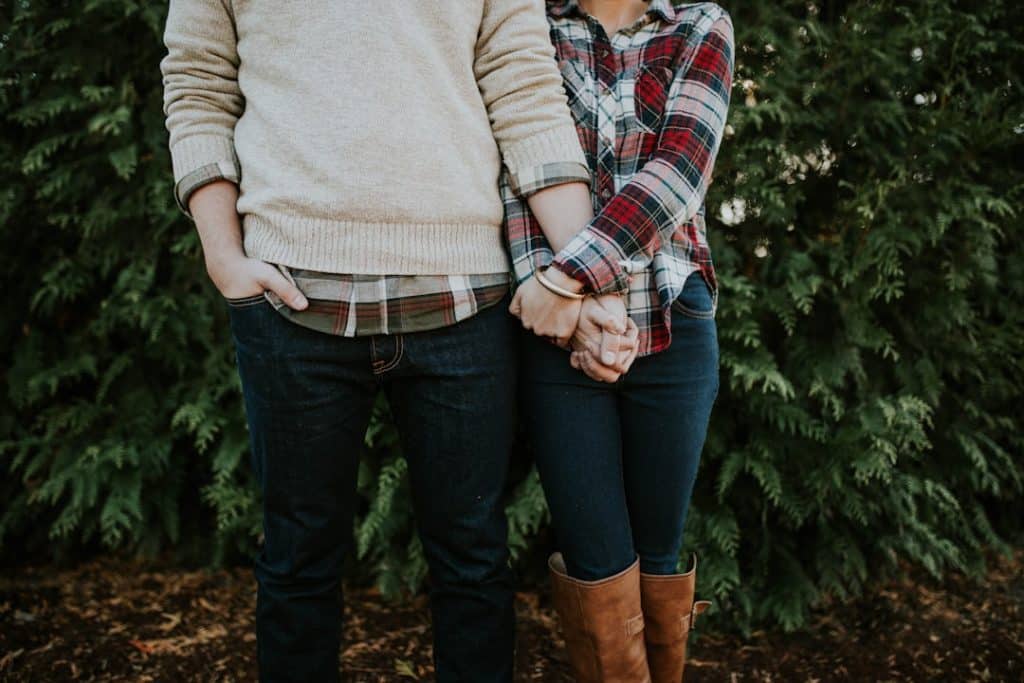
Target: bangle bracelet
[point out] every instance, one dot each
(555, 289)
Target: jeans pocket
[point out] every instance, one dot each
(246, 301)
(696, 300)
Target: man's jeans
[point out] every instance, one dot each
(618, 461)
(308, 398)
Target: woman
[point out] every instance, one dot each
(617, 451)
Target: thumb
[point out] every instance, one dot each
(606, 320)
(273, 280)
(610, 343)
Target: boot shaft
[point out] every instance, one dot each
(669, 614)
(603, 624)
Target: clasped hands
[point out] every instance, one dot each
(602, 337)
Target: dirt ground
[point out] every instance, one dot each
(123, 622)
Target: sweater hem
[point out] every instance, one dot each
(376, 248)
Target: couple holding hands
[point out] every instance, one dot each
(369, 182)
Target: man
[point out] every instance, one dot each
(341, 163)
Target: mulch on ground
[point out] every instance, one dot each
(108, 621)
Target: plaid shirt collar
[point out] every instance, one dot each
(663, 9)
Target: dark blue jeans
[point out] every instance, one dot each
(618, 461)
(308, 398)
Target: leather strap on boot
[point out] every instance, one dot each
(603, 624)
(669, 614)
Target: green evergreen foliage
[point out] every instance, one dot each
(866, 227)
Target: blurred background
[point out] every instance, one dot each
(866, 224)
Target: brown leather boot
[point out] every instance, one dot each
(603, 624)
(669, 614)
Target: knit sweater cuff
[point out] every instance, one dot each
(199, 160)
(544, 159)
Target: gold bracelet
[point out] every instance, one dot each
(555, 289)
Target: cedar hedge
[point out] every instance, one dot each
(866, 225)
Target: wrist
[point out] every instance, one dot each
(218, 260)
(541, 278)
(560, 279)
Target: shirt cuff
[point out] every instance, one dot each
(551, 157)
(200, 160)
(596, 261)
(530, 180)
(221, 170)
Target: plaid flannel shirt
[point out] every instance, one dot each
(650, 105)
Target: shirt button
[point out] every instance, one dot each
(606, 194)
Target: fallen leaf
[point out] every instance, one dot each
(172, 622)
(405, 668)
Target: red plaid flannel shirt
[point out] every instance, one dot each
(650, 105)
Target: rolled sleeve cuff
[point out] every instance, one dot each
(595, 261)
(530, 180)
(222, 170)
(548, 158)
(200, 160)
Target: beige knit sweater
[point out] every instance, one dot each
(365, 137)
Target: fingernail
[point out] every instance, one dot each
(300, 302)
(608, 358)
